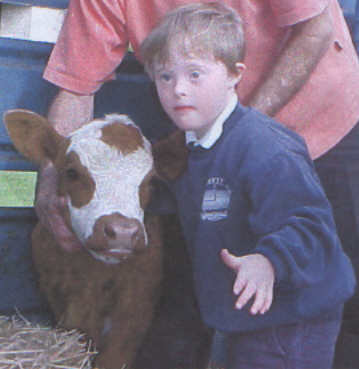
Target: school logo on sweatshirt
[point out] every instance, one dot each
(216, 200)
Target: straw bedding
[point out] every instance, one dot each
(26, 346)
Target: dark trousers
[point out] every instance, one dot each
(305, 345)
(338, 171)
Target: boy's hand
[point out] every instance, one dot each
(255, 278)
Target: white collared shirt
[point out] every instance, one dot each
(215, 132)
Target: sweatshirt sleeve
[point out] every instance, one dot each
(292, 220)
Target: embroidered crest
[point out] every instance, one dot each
(216, 200)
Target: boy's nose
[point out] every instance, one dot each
(180, 88)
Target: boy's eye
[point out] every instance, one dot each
(166, 77)
(195, 75)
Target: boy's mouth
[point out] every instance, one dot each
(183, 108)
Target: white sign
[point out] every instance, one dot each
(30, 22)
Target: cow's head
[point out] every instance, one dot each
(104, 169)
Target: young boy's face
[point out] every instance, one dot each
(194, 90)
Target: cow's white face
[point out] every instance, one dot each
(102, 175)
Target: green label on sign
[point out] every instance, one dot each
(17, 189)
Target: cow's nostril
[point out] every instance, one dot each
(110, 231)
(121, 230)
(136, 235)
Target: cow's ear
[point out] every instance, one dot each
(32, 135)
(171, 155)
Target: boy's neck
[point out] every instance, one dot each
(215, 132)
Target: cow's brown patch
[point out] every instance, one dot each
(125, 138)
(75, 180)
(170, 155)
(146, 189)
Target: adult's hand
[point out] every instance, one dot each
(51, 208)
(68, 111)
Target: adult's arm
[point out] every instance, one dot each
(307, 43)
(67, 112)
(91, 44)
(70, 111)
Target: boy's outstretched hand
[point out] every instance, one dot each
(255, 278)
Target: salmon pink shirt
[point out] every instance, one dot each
(96, 35)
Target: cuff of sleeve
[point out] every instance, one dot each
(281, 271)
(293, 17)
(71, 83)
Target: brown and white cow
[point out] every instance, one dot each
(110, 288)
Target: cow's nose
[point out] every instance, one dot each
(122, 229)
(118, 234)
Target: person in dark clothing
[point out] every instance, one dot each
(269, 271)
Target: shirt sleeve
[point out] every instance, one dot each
(293, 221)
(290, 12)
(91, 44)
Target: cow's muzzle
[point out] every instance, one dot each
(115, 238)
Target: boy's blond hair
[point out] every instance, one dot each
(200, 29)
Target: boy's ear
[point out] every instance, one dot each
(32, 135)
(170, 155)
(240, 68)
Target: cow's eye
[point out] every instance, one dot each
(71, 174)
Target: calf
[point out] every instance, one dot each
(110, 288)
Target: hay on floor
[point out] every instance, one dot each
(25, 346)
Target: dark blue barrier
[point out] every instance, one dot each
(21, 65)
(58, 4)
(348, 7)
(355, 33)
(351, 14)
(18, 288)
(133, 93)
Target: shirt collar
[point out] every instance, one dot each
(215, 132)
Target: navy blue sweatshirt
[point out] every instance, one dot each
(256, 191)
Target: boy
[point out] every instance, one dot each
(269, 271)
